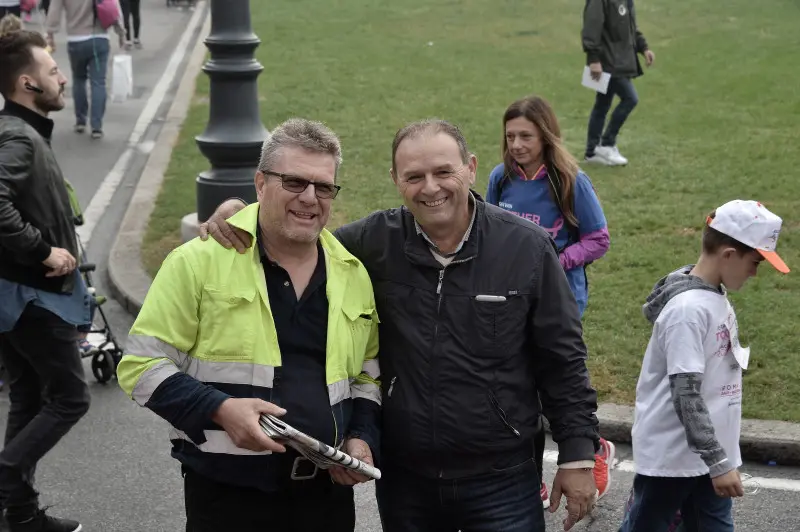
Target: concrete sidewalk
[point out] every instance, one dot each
(761, 441)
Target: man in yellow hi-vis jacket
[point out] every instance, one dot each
(288, 328)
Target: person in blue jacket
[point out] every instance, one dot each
(539, 180)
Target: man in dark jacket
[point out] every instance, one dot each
(477, 317)
(611, 41)
(43, 296)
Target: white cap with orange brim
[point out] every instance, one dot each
(753, 225)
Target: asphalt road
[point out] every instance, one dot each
(113, 471)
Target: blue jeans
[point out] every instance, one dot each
(506, 499)
(89, 61)
(622, 87)
(656, 500)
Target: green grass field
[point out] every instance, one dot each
(718, 119)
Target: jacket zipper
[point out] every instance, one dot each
(502, 414)
(435, 338)
(391, 386)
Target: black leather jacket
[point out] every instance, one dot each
(468, 349)
(35, 212)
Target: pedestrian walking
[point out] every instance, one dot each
(540, 181)
(689, 396)
(612, 42)
(44, 297)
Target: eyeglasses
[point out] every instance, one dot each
(297, 185)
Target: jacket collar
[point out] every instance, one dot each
(418, 250)
(42, 124)
(247, 220)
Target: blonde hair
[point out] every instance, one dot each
(9, 24)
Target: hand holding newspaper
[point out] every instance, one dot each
(323, 455)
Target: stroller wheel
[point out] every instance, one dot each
(103, 366)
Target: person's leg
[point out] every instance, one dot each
(136, 13)
(45, 6)
(506, 499)
(624, 88)
(25, 398)
(213, 506)
(705, 511)
(79, 64)
(411, 503)
(125, 5)
(98, 68)
(48, 344)
(597, 119)
(655, 502)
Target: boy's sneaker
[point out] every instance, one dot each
(41, 522)
(603, 463)
(611, 154)
(545, 496)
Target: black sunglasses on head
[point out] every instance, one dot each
(297, 185)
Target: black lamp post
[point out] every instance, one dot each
(234, 134)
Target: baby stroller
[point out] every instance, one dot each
(105, 351)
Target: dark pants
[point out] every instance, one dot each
(311, 506)
(656, 500)
(131, 9)
(48, 395)
(89, 62)
(622, 87)
(506, 500)
(10, 11)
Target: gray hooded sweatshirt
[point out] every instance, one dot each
(686, 387)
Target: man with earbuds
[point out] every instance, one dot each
(43, 295)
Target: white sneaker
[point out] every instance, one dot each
(611, 154)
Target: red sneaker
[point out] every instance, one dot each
(545, 496)
(603, 462)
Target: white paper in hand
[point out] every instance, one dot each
(599, 86)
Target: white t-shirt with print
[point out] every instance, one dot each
(696, 332)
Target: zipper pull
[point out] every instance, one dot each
(439, 286)
(391, 387)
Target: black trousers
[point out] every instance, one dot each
(306, 506)
(48, 395)
(131, 9)
(10, 11)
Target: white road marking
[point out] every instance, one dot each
(627, 466)
(102, 198)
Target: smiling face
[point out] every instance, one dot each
(297, 218)
(434, 180)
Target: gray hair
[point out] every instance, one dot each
(300, 133)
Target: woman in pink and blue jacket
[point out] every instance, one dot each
(540, 181)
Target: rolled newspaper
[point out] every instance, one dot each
(322, 454)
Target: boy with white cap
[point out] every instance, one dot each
(689, 395)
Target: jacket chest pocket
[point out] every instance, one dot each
(227, 324)
(359, 322)
(497, 323)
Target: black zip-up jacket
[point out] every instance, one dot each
(35, 212)
(610, 35)
(461, 373)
